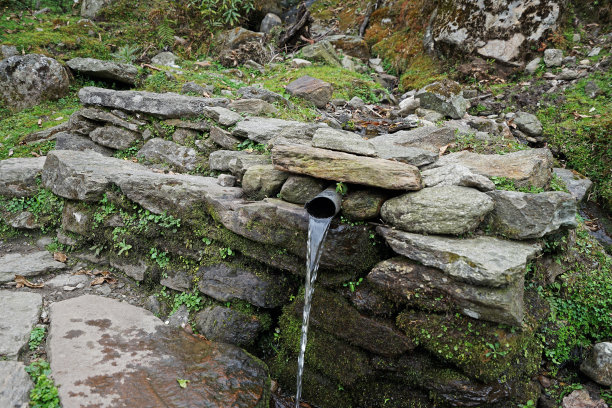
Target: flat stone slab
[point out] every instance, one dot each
(525, 167)
(342, 141)
(181, 157)
(85, 176)
(96, 68)
(31, 264)
(265, 130)
(18, 176)
(456, 175)
(106, 353)
(15, 385)
(527, 216)
(427, 137)
(163, 105)
(19, 312)
(403, 280)
(339, 166)
(222, 116)
(482, 261)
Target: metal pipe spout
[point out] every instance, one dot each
(325, 205)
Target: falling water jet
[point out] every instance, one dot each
(321, 210)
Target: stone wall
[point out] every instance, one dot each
(421, 299)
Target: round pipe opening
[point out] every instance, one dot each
(321, 207)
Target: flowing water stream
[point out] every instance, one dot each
(317, 230)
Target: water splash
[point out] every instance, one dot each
(317, 231)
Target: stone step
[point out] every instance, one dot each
(18, 176)
(28, 264)
(15, 385)
(19, 312)
(108, 353)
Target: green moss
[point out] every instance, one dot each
(479, 349)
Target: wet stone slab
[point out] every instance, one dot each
(19, 312)
(106, 353)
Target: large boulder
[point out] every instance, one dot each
(456, 175)
(345, 167)
(27, 80)
(18, 176)
(110, 353)
(445, 97)
(504, 31)
(163, 105)
(438, 210)
(351, 45)
(526, 216)
(109, 70)
(322, 51)
(525, 168)
(301, 189)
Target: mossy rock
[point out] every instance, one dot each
(481, 350)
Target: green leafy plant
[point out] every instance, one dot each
(250, 145)
(36, 337)
(341, 188)
(352, 285)
(44, 393)
(161, 257)
(220, 13)
(225, 252)
(193, 301)
(126, 53)
(495, 350)
(182, 383)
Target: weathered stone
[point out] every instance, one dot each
(110, 353)
(553, 57)
(525, 216)
(109, 70)
(18, 176)
(192, 87)
(178, 280)
(528, 124)
(67, 280)
(456, 175)
(266, 130)
(301, 189)
(407, 282)
(526, 167)
(346, 167)
(263, 181)
(438, 210)
(333, 314)
(569, 74)
(135, 270)
(223, 138)
(228, 326)
(408, 106)
(429, 115)
(19, 313)
(252, 92)
(200, 126)
(342, 141)
(234, 38)
(92, 8)
(164, 105)
(322, 51)
(165, 58)
(114, 137)
(86, 176)
(75, 219)
(356, 103)
(27, 80)
(582, 399)
(253, 106)
(15, 385)
(222, 116)
(577, 184)
(503, 31)
(31, 264)
(410, 155)
(300, 63)
(351, 45)
(427, 137)
(72, 141)
(225, 283)
(311, 89)
(483, 261)
(22, 220)
(183, 158)
(8, 51)
(445, 97)
(533, 65)
(184, 136)
(598, 364)
(362, 204)
(270, 21)
(226, 180)
(100, 115)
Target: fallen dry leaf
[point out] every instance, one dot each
(22, 281)
(83, 272)
(443, 150)
(60, 257)
(101, 279)
(39, 122)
